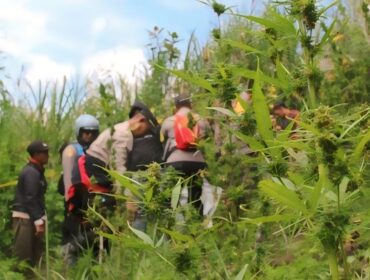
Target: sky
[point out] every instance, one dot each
(47, 39)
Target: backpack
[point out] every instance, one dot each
(79, 152)
(186, 131)
(145, 150)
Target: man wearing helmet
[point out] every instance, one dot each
(111, 149)
(86, 130)
(113, 145)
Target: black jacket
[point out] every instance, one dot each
(30, 192)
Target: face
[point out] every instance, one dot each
(41, 158)
(88, 136)
(279, 112)
(139, 125)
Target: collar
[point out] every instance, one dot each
(36, 164)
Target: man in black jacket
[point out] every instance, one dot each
(29, 205)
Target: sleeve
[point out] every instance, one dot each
(121, 144)
(32, 192)
(164, 130)
(204, 128)
(68, 160)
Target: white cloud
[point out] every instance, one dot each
(41, 67)
(120, 60)
(98, 25)
(21, 28)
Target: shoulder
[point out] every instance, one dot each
(69, 151)
(168, 121)
(29, 170)
(122, 133)
(122, 128)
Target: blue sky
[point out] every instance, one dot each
(52, 38)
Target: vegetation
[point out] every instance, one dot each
(295, 206)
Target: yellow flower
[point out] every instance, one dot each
(238, 108)
(338, 37)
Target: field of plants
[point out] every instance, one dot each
(295, 201)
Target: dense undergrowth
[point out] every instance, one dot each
(295, 201)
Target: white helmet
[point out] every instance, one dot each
(87, 122)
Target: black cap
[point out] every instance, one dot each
(182, 100)
(37, 146)
(144, 110)
(278, 104)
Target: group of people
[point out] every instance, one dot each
(85, 164)
(130, 145)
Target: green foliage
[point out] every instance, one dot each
(292, 199)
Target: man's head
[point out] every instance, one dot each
(142, 120)
(182, 101)
(86, 129)
(39, 151)
(279, 109)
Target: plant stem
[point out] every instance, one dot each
(308, 63)
(344, 257)
(47, 247)
(333, 264)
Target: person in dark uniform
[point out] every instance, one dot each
(29, 216)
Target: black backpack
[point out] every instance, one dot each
(145, 150)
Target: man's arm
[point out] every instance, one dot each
(32, 192)
(122, 142)
(68, 160)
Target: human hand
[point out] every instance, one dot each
(40, 229)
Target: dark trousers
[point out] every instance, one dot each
(188, 169)
(27, 246)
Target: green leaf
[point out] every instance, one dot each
(262, 113)
(224, 111)
(289, 184)
(308, 127)
(277, 22)
(251, 141)
(283, 136)
(105, 221)
(269, 219)
(249, 74)
(111, 236)
(149, 194)
(177, 235)
(332, 196)
(240, 45)
(327, 34)
(361, 146)
(241, 273)
(343, 188)
(195, 80)
(127, 182)
(175, 196)
(354, 124)
(282, 74)
(297, 178)
(245, 105)
(142, 235)
(283, 195)
(321, 183)
(160, 241)
(323, 10)
(129, 241)
(221, 69)
(297, 144)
